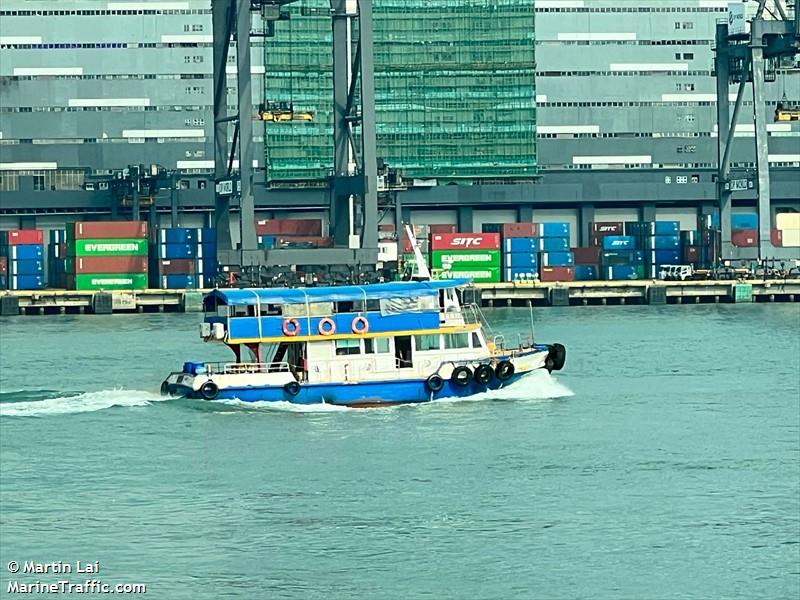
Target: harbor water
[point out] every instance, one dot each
(662, 463)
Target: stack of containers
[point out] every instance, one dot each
(57, 258)
(473, 256)
(520, 251)
(709, 238)
(288, 233)
(556, 261)
(744, 230)
(787, 226)
(187, 258)
(107, 255)
(24, 253)
(620, 259)
(587, 263)
(663, 246)
(600, 229)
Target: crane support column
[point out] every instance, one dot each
(369, 158)
(762, 149)
(243, 80)
(222, 16)
(724, 138)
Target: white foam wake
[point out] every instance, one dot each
(284, 406)
(539, 385)
(79, 403)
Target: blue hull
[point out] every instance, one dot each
(361, 394)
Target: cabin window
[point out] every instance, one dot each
(476, 340)
(456, 340)
(239, 311)
(379, 345)
(426, 342)
(270, 309)
(344, 347)
(366, 305)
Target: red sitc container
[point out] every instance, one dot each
(465, 241)
(776, 237)
(21, 237)
(110, 264)
(316, 241)
(98, 230)
(520, 230)
(177, 266)
(556, 274)
(441, 228)
(587, 256)
(3, 264)
(745, 238)
(602, 228)
(305, 227)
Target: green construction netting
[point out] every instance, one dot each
(454, 89)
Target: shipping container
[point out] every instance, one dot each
(691, 255)
(107, 264)
(744, 221)
(586, 256)
(303, 241)
(303, 227)
(25, 282)
(521, 260)
(663, 257)
(17, 237)
(25, 252)
(662, 242)
(521, 244)
(619, 242)
(790, 238)
(553, 244)
(207, 235)
(465, 258)
(104, 230)
(787, 221)
(665, 228)
(465, 241)
(621, 257)
(179, 235)
(179, 282)
(492, 227)
(441, 228)
(556, 274)
(26, 267)
(173, 251)
(603, 228)
(3, 264)
(520, 274)
(266, 242)
(109, 247)
(709, 221)
(586, 272)
(744, 238)
(560, 230)
(57, 236)
(638, 228)
(482, 275)
(776, 237)
(556, 259)
(623, 272)
(3, 281)
(520, 230)
(109, 281)
(690, 238)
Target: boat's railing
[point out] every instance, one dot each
(522, 343)
(467, 315)
(220, 368)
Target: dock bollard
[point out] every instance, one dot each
(9, 305)
(656, 294)
(102, 303)
(559, 296)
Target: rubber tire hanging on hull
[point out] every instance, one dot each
(434, 383)
(461, 376)
(209, 390)
(292, 388)
(504, 370)
(483, 374)
(164, 389)
(556, 358)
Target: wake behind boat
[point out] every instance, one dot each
(370, 345)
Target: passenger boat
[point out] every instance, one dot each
(358, 346)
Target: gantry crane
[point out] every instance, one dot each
(353, 74)
(740, 57)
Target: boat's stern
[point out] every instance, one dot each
(540, 356)
(185, 382)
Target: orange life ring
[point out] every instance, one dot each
(360, 325)
(326, 327)
(291, 327)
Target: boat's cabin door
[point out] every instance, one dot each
(402, 351)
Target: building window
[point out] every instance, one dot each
(426, 342)
(345, 347)
(38, 183)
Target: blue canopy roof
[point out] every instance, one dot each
(342, 293)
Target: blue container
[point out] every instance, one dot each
(178, 235)
(26, 267)
(619, 242)
(690, 238)
(621, 272)
(25, 252)
(520, 245)
(621, 257)
(26, 282)
(638, 228)
(666, 228)
(557, 230)
(207, 266)
(178, 282)
(268, 241)
(524, 260)
(662, 242)
(664, 257)
(511, 274)
(557, 259)
(585, 272)
(207, 235)
(553, 244)
(744, 221)
(170, 251)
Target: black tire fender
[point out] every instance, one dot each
(504, 370)
(434, 383)
(164, 389)
(461, 376)
(209, 390)
(292, 388)
(483, 374)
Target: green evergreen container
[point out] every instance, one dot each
(465, 259)
(476, 274)
(122, 281)
(108, 247)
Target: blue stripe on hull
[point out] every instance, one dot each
(396, 392)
